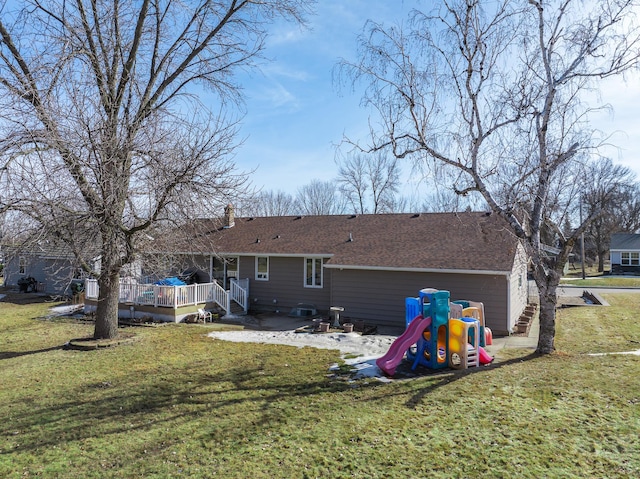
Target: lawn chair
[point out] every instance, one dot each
(203, 315)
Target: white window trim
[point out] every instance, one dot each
(262, 276)
(632, 258)
(304, 279)
(22, 265)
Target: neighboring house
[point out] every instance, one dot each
(624, 253)
(52, 266)
(368, 264)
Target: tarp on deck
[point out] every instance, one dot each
(172, 281)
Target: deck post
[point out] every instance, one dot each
(228, 302)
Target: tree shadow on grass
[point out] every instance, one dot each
(25, 298)
(146, 403)
(456, 375)
(17, 354)
(207, 401)
(443, 377)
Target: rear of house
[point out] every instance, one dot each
(369, 264)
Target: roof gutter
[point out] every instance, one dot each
(272, 255)
(418, 270)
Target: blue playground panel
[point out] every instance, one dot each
(412, 309)
(431, 348)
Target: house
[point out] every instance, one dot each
(367, 264)
(49, 265)
(624, 253)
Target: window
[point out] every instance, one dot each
(313, 273)
(22, 264)
(630, 259)
(262, 268)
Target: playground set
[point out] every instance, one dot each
(440, 333)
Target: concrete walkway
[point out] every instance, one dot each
(520, 342)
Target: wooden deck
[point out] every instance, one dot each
(168, 303)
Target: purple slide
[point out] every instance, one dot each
(389, 362)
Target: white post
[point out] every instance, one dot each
(228, 301)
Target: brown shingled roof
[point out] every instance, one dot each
(449, 241)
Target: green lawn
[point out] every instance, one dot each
(175, 403)
(604, 281)
(595, 278)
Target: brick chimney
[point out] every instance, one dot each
(229, 219)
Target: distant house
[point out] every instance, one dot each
(368, 264)
(50, 264)
(624, 253)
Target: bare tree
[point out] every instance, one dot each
(630, 210)
(614, 189)
(118, 115)
(320, 198)
(353, 182)
(370, 182)
(270, 203)
(437, 199)
(474, 89)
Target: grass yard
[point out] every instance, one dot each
(175, 403)
(604, 281)
(595, 278)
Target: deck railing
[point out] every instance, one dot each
(239, 292)
(91, 288)
(175, 296)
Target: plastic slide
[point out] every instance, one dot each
(389, 362)
(483, 356)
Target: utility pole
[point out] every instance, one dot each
(581, 242)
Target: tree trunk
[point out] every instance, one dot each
(548, 301)
(107, 311)
(547, 291)
(601, 261)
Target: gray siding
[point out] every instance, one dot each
(54, 275)
(285, 285)
(379, 296)
(616, 257)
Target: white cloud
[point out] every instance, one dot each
(278, 96)
(288, 71)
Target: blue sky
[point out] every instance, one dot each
(296, 113)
